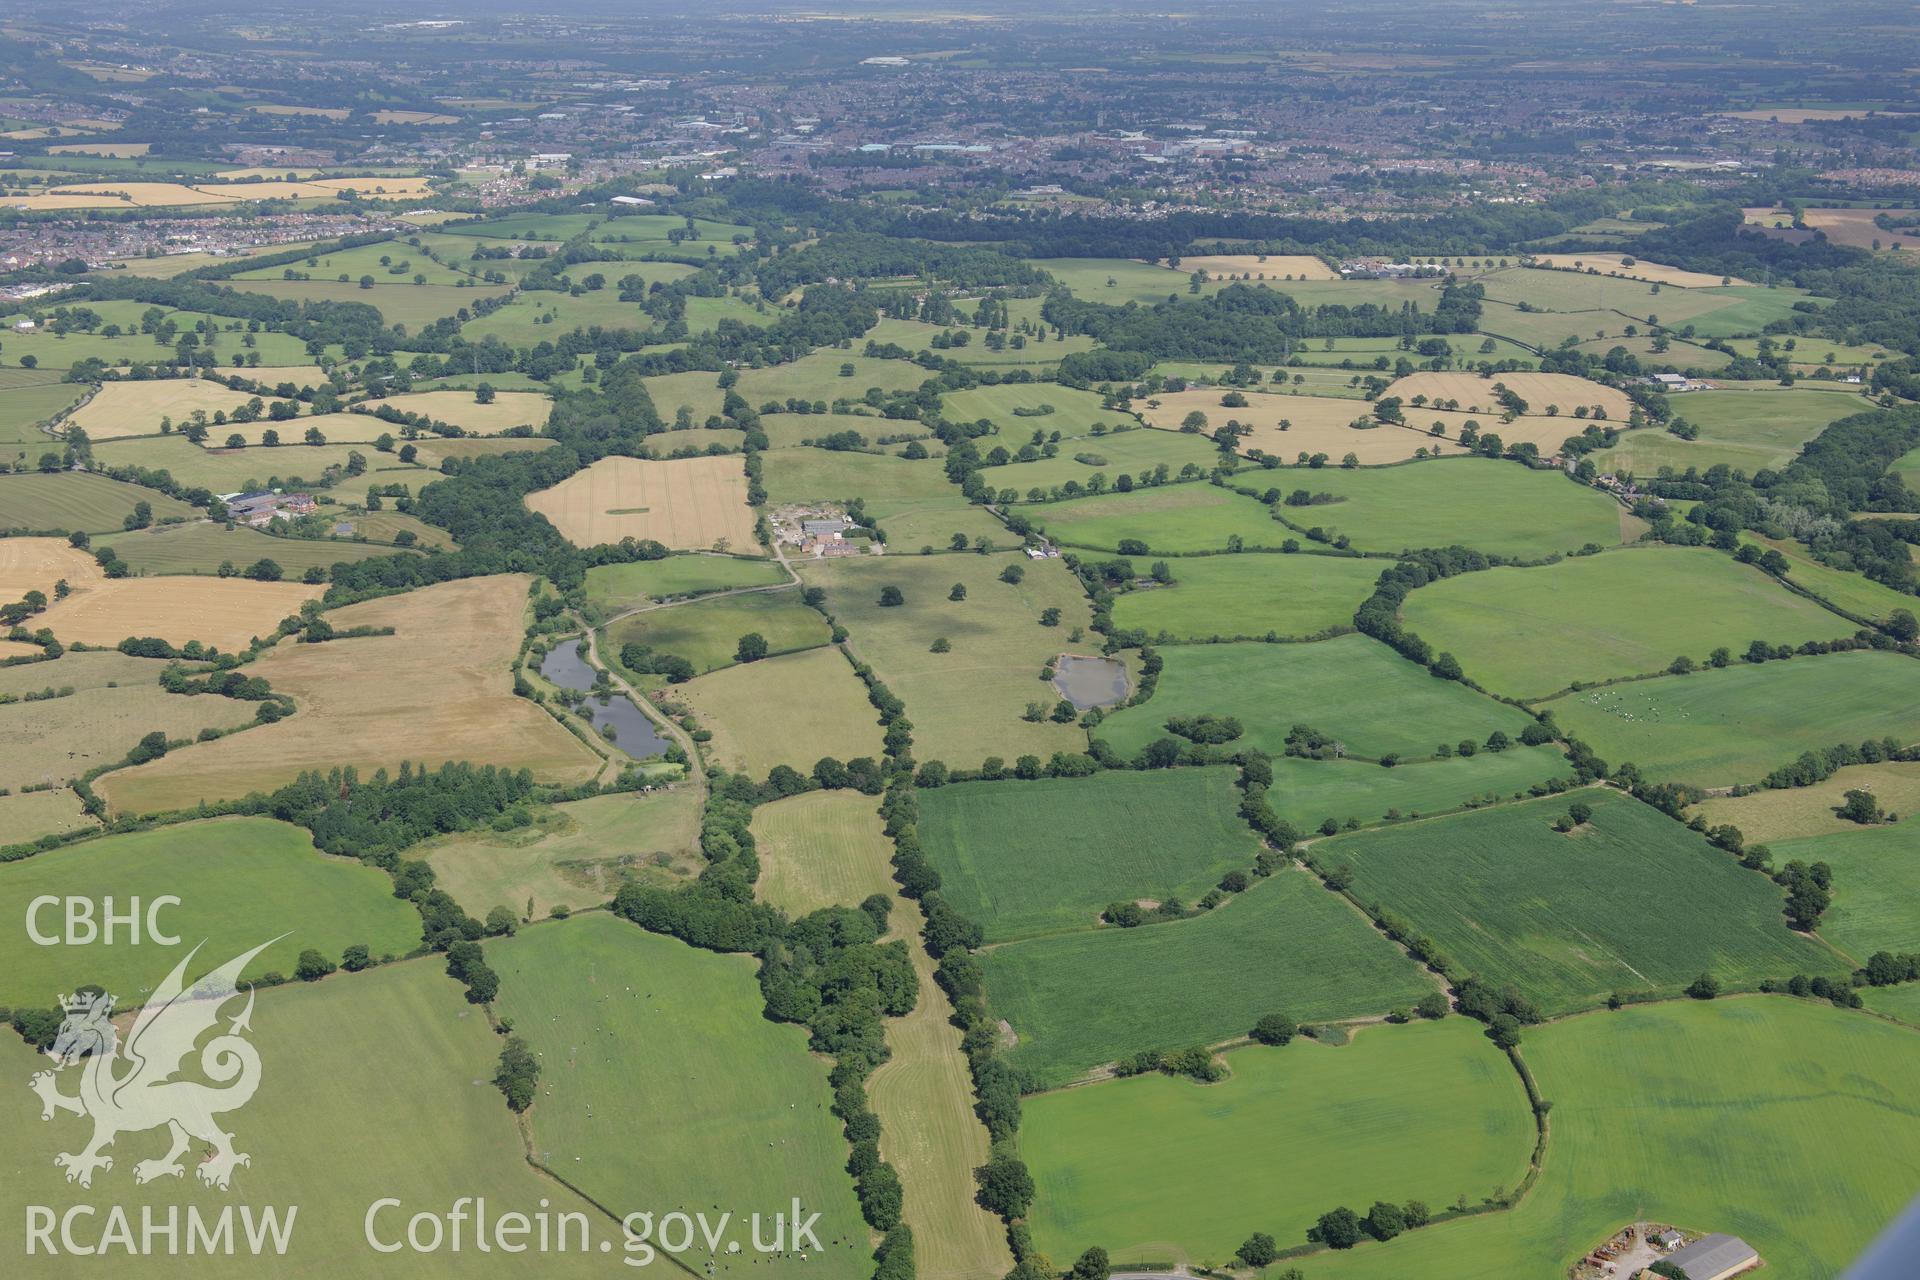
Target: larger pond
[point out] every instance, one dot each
(1090, 682)
(632, 731)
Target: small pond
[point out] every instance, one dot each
(633, 732)
(1090, 682)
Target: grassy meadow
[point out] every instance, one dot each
(965, 704)
(1023, 858)
(1496, 507)
(1171, 519)
(1631, 901)
(240, 881)
(1876, 877)
(1308, 792)
(613, 587)
(1352, 687)
(791, 710)
(431, 1130)
(574, 855)
(707, 632)
(1533, 632)
(76, 502)
(1818, 1163)
(1249, 595)
(1286, 945)
(1427, 1111)
(664, 1087)
(1737, 724)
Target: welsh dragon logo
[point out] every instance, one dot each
(134, 1087)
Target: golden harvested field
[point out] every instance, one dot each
(1792, 812)
(224, 612)
(788, 710)
(135, 408)
(1842, 226)
(1318, 424)
(119, 150)
(688, 504)
(389, 188)
(1616, 264)
(35, 564)
(1273, 267)
(1801, 115)
(1539, 390)
(509, 409)
(438, 689)
(17, 649)
(115, 193)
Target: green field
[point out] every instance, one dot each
(1081, 457)
(823, 849)
(1426, 1111)
(403, 262)
(430, 1131)
(574, 855)
(613, 587)
(1747, 429)
(664, 1087)
(1530, 633)
(1018, 409)
(29, 397)
(1497, 507)
(70, 501)
(1171, 519)
(1819, 1161)
(1076, 1000)
(1854, 592)
(1308, 792)
(1632, 901)
(1716, 728)
(1876, 880)
(412, 305)
(887, 483)
(1249, 595)
(1024, 858)
(247, 470)
(707, 632)
(240, 881)
(202, 548)
(965, 704)
(537, 317)
(33, 814)
(791, 709)
(811, 378)
(1351, 687)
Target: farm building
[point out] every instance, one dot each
(1715, 1257)
(259, 509)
